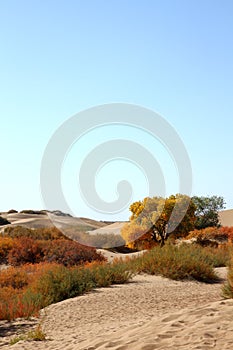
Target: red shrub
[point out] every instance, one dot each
(26, 250)
(228, 231)
(220, 234)
(70, 253)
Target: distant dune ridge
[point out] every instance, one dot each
(46, 218)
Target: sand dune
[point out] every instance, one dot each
(113, 228)
(226, 217)
(50, 219)
(149, 313)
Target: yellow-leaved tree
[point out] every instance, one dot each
(154, 219)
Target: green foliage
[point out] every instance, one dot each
(207, 211)
(105, 275)
(178, 263)
(59, 283)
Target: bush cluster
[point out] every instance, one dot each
(178, 263)
(20, 245)
(45, 233)
(25, 250)
(6, 244)
(25, 290)
(219, 234)
(33, 212)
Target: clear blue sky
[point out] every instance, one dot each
(60, 57)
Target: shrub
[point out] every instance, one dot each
(4, 221)
(229, 232)
(16, 232)
(12, 211)
(13, 277)
(219, 234)
(104, 275)
(36, 334)
(58, 283)
(12, 304)
(70, 253)
(36, 212)
(176, 263)
(6, 244)
(45, 233)
(49, 283)
(26, 250)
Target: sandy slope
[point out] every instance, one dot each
(226, 217)
(149, 313)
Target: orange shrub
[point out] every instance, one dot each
(221, 234)
(13, 277)
(70, 253)
(16, 303)
(229, 232)
(26, 250)
(6, 244)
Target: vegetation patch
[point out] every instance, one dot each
(178, 263)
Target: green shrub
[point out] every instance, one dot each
(117, 272)
(59, 283)
(184, 262)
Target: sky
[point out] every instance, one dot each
(59, 58)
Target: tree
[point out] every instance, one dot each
(207, 209)
(154, 219)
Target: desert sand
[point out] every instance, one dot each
(226, 217)
(150, 312)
